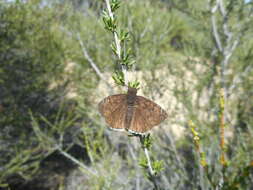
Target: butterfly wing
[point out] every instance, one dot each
(138, 123)
(147, 114)
(113, 109)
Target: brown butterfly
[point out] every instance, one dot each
(132, 113)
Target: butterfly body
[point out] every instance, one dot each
(130, 98)
(130, 112)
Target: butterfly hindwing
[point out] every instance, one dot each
(139, 125)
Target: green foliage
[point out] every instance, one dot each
(118, 77)
(134, 84)
(33, 57)
(119, 45)
(158, 166)
(146, 141)
(143, 162)
(109, 22)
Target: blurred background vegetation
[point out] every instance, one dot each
(51, 134)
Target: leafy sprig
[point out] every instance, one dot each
(121, 37)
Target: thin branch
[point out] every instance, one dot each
(117, 41)
(214, 28)
(151, 171)
(89, 59)
(80, 164)
(91, 62)
(228, 52)
(222, 9)
(225, 20)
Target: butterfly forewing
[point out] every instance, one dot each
(113, 108)
(117, 119)
(150, 111)
(110, 104)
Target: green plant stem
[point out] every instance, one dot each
(151, 172)
(117, 43)
(152, 176)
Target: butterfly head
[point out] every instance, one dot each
(132, 91)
